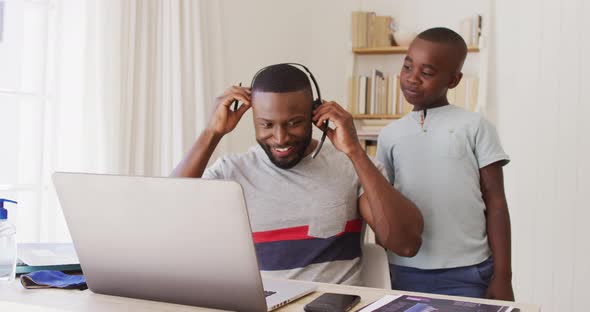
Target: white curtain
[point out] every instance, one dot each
(160, 55)
(128, 93)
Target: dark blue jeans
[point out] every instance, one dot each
(468, 281)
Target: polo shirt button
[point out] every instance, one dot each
(424, 130)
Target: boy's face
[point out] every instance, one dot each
(283, 125)
(429, 69)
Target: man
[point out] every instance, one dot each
(304, 211)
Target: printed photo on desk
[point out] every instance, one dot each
(396, 303)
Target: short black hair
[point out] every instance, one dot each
(445, 36)
(281, 78)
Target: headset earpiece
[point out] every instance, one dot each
(317, 103)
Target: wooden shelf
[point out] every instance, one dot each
(368, 136)
(393, 50)
(375, 116)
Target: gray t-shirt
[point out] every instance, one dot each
(305, 220)
(437, 167)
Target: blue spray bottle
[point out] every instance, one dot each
(7, 245)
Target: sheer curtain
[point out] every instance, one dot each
(127, 78)
(160, 53)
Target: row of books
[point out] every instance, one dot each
(378, 94)
(370, 30)
(381, 94)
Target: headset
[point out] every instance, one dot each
(316, 103)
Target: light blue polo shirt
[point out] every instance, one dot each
(436, 166)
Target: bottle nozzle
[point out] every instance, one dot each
(4, 212)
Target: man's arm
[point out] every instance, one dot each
(222, 121)
(397, 222)
(498, 230)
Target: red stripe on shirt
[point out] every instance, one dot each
(300, 232)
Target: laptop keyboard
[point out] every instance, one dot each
(269, 293)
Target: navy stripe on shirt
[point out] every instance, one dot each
(291, 254)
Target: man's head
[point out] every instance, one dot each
(282, 108)
(432, 66)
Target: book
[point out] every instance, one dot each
(382, 31)
(367, 29)
(359, 29)
(368, 95)
(400, 96)
(362, 95)
(399, 303)
(383, 96)
(46, 256)
(353, 84)
(370, 33)
(388, 95)
(395, 96)
(376, 82)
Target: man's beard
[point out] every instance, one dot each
(300, 146)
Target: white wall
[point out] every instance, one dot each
(536, 97)
(253, 37)
(540, 91)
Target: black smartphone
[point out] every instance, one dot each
(329, 302)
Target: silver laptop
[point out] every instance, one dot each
(185, 241)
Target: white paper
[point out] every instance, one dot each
(389, 298)
(47, 254)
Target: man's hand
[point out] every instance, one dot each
(224, 120)
(500, 289)
(343, 136)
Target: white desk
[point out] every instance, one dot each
(14, 297)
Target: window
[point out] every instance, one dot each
(24, 97)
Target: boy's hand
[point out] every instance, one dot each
(223, 120)
(500, 289)
(343, 136)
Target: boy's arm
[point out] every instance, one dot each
(223, 121)
(397, 222)
(498, 230)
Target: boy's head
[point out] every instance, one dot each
(432, 66)
(282, 109)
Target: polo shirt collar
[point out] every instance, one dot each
(430, 112)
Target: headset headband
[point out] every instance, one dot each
(312, 78)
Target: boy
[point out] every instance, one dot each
(448, 161)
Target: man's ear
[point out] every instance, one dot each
(455, 79)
